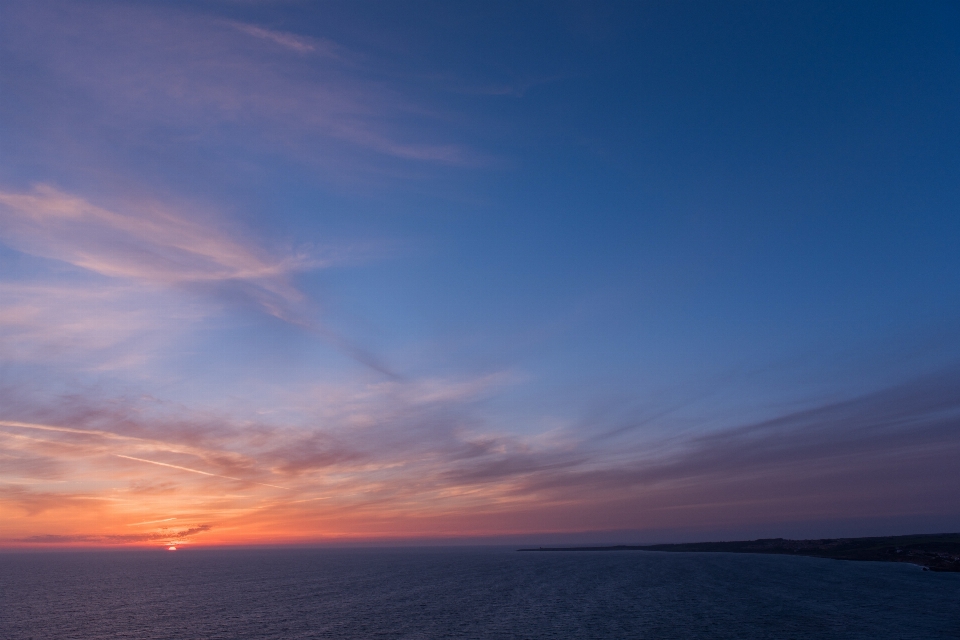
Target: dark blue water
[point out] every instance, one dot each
(466, 593)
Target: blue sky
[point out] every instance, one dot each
(478, 269)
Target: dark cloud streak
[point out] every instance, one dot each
(113, 538)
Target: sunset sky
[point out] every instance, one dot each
(317, 272)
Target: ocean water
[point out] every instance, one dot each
(466, 593)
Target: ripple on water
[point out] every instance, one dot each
(466, 593)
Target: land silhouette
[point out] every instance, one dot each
(934, 552)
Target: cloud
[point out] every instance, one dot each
(147, 244)
(111, 539)
(140, 89)
(143, 274)
(160, 270)
(367, 442)
(123, 436)
(188, 469)
(425, 456)
(886, 452)
(300, 44)
(32, 502)
(100, 326)
(149, 69)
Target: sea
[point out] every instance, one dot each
(457, 592)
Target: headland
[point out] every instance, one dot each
(934, 552)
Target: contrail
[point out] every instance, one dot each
(134, 524)
(205, 473)
(117, 436)
(96, 432)
(47, 427)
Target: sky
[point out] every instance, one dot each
(420, 272)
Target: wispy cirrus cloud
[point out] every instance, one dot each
(140, 275)
(416, 463)
(148, 244)
(109, 97)
(300, 44)
(137, 83)
(108, 326)
(163, 268)
(163, 68)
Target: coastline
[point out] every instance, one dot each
(932, 552)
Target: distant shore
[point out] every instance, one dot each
(934, 552)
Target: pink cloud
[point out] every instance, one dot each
(147, 243)
(300, 44)
(148, 65)
(416, 459)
